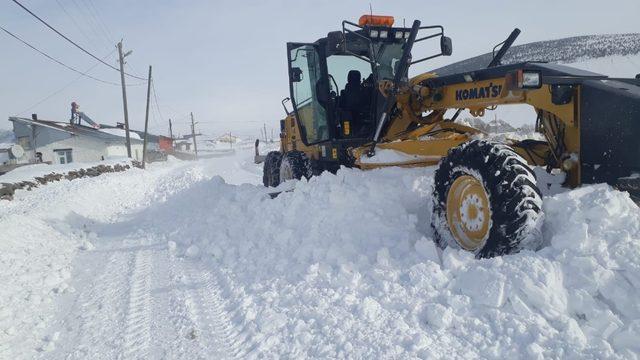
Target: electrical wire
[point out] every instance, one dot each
(155, 99)
(73, 20)
(60, 62)
(102, 23)
(73, 42)
(64, 87)
(93, 24)
(88, 21)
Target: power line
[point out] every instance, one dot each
(74, 21)
(155, 99)
(97, 35)
(99, 18)
(72, 42)
(90, 19)
(58, 61)
(63, 88)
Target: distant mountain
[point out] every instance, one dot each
(494, 126)
(6, 138)
(499, 126)
(566, 50)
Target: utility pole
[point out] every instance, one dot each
(124, 96)
(265, 133)
(146, 122)
(193, 133)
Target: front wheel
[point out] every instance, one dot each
(485, 200)
(271, 169)
(295, 165)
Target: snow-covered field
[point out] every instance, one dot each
(194, 260)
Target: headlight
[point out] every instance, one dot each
(531, 80)
(373, 33)
(407, 34)
(523, 79)
(399, 35)
(384, 34)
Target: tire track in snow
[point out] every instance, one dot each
(137, 334)
(96, 312)
(207, 306)
(175, 331)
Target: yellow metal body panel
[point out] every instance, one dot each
(291, 139)
(475, 96)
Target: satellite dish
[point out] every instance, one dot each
(16, 151)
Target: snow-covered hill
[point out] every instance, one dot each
(524, 115)
(6, 138)
(494, 126)
(567, 51)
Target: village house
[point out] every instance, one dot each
(61, 142)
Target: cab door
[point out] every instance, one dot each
(309, 93)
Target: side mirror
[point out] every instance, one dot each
(285, 100)
(295, 75)
(446, 47)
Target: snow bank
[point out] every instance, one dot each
(42, 233)
(29, 172)
(345, 266)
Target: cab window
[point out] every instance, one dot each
(306, 85)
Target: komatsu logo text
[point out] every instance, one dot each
(490, 91)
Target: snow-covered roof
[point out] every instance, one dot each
(121, 132)
(81, 130)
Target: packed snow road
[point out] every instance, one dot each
(194, 260)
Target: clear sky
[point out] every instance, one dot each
(225, 60)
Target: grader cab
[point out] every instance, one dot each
(354, 105)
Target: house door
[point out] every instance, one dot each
(64, 156)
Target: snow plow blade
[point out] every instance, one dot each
(632, 186)
(258, 159)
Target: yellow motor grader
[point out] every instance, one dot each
(354, 105)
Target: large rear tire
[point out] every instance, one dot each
(485, 200)
(271, 169)
(295, 165)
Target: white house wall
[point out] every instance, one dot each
(83, 149)
(120, 150)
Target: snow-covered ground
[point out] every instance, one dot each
(195, 260)
(30, 172)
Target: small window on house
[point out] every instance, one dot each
(64, 156)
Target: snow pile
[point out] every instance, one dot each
(390, 156)
(345, 266)
(176, 261)
(30, 172)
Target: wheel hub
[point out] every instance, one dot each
(468, 212)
